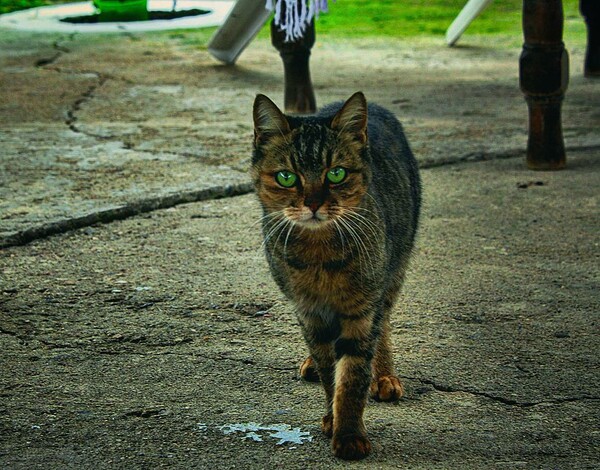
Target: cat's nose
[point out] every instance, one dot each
(314, 198)
(313, 204)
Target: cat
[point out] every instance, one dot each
(341, 195)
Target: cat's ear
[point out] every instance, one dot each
(268, 120)
(352, 118)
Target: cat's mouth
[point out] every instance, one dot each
(311, 220)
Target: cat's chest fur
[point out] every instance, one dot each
(319, 275)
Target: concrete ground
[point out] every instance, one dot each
(139, 326)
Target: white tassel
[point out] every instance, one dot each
(277, 17)
(296, 20)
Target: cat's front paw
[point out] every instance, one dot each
(308, 370)
(386, 388)
(351, 446)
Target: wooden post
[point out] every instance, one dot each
(299, 96)
(590, 9)
(544, 76)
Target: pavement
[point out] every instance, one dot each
(140, 328)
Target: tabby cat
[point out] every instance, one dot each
(340, 193)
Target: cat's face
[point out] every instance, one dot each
(311, 172)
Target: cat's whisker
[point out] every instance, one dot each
(341, 234)
(267, 220)
(270, 215)
(370, 243)
(289, 224)
(372, 237)
(363, 251)
(365, 209)
(367, 228)
(366, 222)
(277, 228)
(270, 224)
(369, 218)
(291, 227)
(350, 232)
(376, 203)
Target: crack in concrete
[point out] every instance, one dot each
(472, 157)
(193, 354)
(475, 157)
(60, 50)
(26, 236)
(245, 362)
(141, 206)
(443, 388)
(122, 212)
(503, 400)
(154, 203)
(47, 61)
(85, 97)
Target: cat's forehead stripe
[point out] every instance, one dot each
(311, 146)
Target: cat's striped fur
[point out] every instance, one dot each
(339, 251)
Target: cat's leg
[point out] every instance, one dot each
(354, 351)
(308, 370)
(385, 385)
(319, 337)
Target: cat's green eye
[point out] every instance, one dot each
(336, 175)
(287, 179)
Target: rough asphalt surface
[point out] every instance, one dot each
(156, 339)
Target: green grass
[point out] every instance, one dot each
(401, 18)
(411, 18)
(6, 6)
